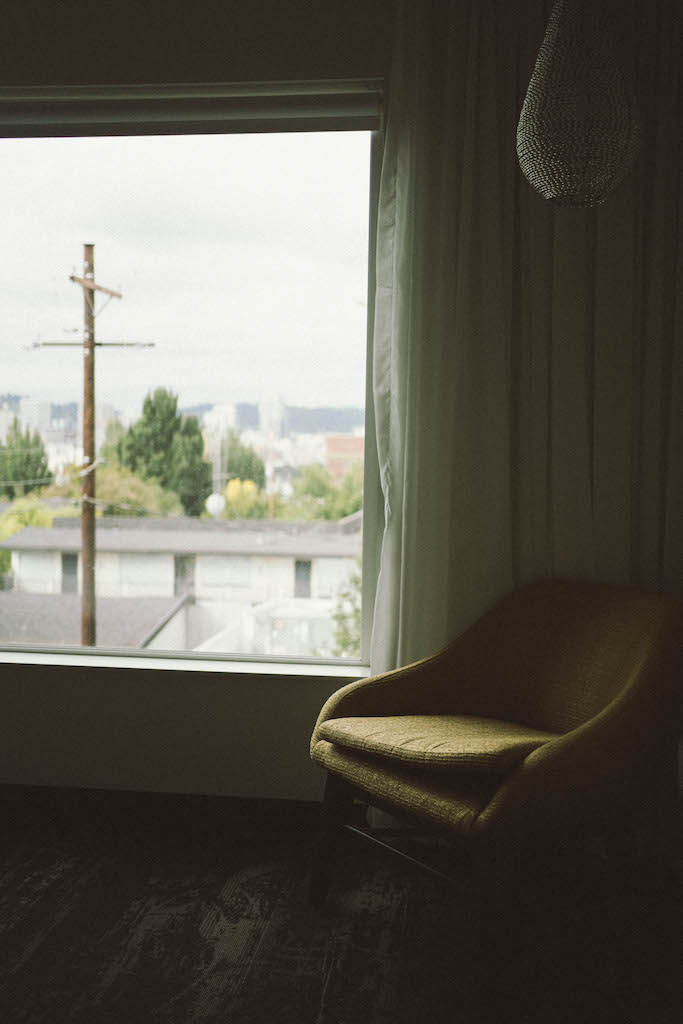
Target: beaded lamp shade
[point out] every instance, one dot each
(578, 131)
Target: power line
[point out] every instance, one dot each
(18, 483)
(16, 453)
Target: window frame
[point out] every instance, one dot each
(223, 108)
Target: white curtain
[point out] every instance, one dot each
(528, 359)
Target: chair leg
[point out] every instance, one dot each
(336, 809)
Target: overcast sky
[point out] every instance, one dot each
(244, 258)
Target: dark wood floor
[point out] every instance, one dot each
(140, 908)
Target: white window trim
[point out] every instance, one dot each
(72, 111)
(71, 657)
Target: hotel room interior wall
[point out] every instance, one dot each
(160, 731)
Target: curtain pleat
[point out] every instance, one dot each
(528, 372)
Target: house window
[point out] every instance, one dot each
(302, 579)
(69, 573)
(224, 294)
(183, 574)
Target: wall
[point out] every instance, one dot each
(65, 42)
(174, 635)
(133, 574)
(37, 572)
(329, 574)
(194, 730)
(136, 728)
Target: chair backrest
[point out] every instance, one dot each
(553, 654)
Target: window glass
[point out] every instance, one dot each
(183, 336)
(302, 578)
(69, 573)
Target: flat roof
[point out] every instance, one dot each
(298, 540)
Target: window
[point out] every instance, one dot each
(69, 573)
(302, 579)
(227, 268)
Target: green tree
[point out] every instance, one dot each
(167, 447)
(146, 445)
(190, 474)
(347, 617)
(315, 495)
(242, 461)
(347, 497)
(120, 492)
(113, 438)
(23, 462)
(310, 493)
(313, 481)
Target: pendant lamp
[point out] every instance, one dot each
(578, 131)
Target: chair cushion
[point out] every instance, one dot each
(450, 800)
(439, 741)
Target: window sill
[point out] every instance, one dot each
(77, 658)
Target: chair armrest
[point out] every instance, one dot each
(414, 689)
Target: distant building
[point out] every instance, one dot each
(342, 451)
(234, 574)
(35, 414)
(217, 422)
(272, 417)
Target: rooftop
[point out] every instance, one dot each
(301, 539)
(55, 619)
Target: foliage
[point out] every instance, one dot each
(164, 446)
(347, 617)
(189, 475)
(113, 438)
(315, 495)
(146, 444)
(23, 462)
(242, 461)
(244, 500)
(27, 511)
(120, 492)
(313, 481)
(347, 497)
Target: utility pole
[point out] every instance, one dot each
(87, 283)
(88, 602)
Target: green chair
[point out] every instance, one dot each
(554, 715)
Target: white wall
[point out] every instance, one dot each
(174, 635)
(223, 577)
(189, 730)
(248, 579)
(273, 577)
(37, 572)
(206, 618)
(107, 574)
(148, 574)
(329, 574)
